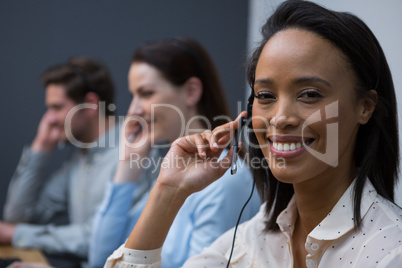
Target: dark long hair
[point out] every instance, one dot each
(179, 59)
(377, 151)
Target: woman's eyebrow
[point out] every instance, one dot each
(264, 81)
(299, 80)
(305, 79)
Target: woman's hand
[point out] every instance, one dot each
(192, 162)
(135, 138)
(134, 145)
(190, 165)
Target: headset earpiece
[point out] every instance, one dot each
(242, 122)
(250, 102)
(236, 139)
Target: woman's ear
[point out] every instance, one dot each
(367, 106)
(193, 91)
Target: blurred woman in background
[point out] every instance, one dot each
(175, 87)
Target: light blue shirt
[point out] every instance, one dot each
(204, 216)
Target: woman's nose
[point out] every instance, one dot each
(136, 107)
(285, 116)
(284, 121)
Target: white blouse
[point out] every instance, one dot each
(333, 243)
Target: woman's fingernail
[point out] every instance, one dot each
(215, 145)
(203, 154)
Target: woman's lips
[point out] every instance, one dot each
(288, 147)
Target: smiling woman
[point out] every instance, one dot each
(288, 91)
(164, 106)
(324, 102)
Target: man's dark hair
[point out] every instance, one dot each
(81, 75)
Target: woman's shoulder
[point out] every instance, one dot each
(392, 213)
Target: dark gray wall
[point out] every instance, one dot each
(37, 34)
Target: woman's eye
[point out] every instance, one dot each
(265, 96)
(145, 94)
(310, 94)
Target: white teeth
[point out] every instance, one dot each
(280, 147)
(286, 147)
(292, 147)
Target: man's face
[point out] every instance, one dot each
(58, 105)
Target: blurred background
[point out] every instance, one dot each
(37, 34)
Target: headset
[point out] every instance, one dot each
(242, 122)
(236, 139)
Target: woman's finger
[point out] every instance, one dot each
(202, 144)
(222, 135)
(216, 141)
